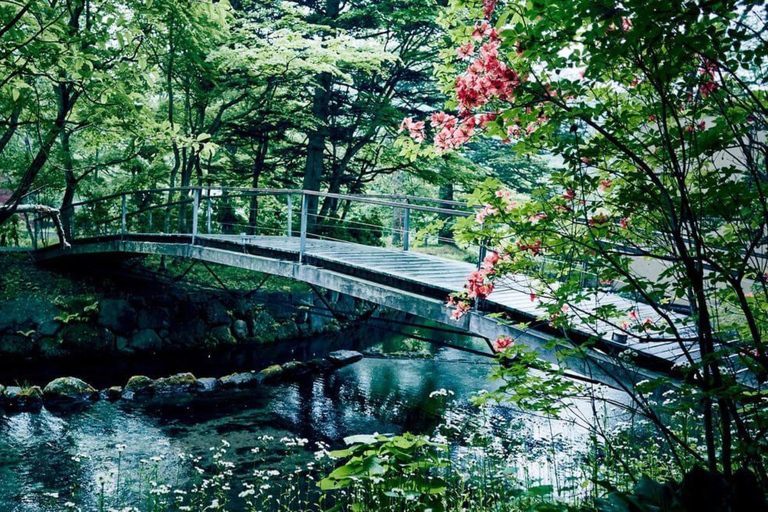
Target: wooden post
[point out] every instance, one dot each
(303, 234)
(208, 209)
(406, 228)
(195, 207)
(289, 231)
(124, 209)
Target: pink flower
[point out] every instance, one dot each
(465, 51)
(514, 131)
(482, 29)
(605, 184)
(416, 130)
(489, 263)
(533, 248)
(502, 343)
(506, 194)
(623, 222)
(488, 6)
(626, 24)
(533, 297)
(624, 325)
(569, 194)
(533, 219)
(462, 308)
(486, 211)
(633, 315)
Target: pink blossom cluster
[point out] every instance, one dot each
(486, 79)
(534, 248)
(415, 129)
(485, 212)
(488, 7)
(478, 286)
(502, 343)
(461, 307)
(709, 70)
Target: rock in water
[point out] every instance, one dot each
(271, 373)
(179, 383)
(68, 389)
(139, 385)
(344, 357)
(207, 384)
(238, 380)
(26, 399)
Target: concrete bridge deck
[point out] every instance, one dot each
(408, 281)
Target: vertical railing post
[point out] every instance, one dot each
(124, 211)
(303, 234)
(208, 209)
(289, 231)
(195, 207)
(406, 228)
(481, 251)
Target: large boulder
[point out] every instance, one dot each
(179, 383)
(117, 315)
(341, 358)
(215, 313)
(239, 380)
(25, 314)
(263, 327)
(17, 345)
(145, 340)
(85, 338)
(153, 318)
(221, 335)
(240, 329)
(188, 332)
(68, 389)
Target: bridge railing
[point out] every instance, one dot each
(372, 219)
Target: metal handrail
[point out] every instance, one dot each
(360, 198)
(205, 193)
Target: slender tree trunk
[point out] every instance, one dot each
(313, 171)
(67, 214)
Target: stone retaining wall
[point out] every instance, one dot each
(174, 321)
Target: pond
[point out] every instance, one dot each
(50, 458)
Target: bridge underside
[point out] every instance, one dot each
(409, 282)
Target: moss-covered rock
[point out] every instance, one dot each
(239, 380)
(23, 399)
(138, 385)
(179, 383)
(294, 369)
(69, 389)
(271, 373)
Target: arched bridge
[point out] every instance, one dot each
(276, 233)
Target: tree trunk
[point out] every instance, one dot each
(313, 171)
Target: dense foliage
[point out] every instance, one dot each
(657, 111)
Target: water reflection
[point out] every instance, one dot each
(74, 453)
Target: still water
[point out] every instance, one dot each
(50, 458)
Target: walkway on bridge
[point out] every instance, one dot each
(398, 278)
